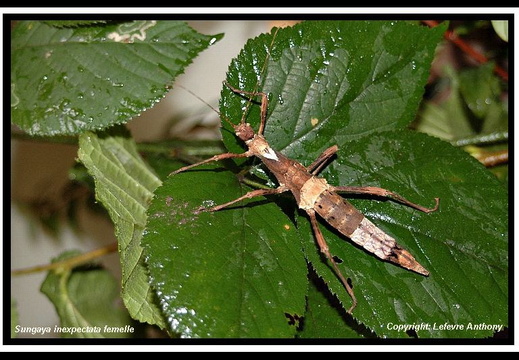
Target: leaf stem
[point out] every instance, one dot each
(254, 184)
(482, 139)
(70, 262)
(180, 149)
(190, 148)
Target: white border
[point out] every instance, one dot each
(261, 348)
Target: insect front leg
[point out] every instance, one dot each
(323, 246)
(249, 195)
(264, 104)
(211, 159)
(376, 191)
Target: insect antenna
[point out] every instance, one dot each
(209, 105)
(248, 95)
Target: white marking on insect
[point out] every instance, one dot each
(270, 154)
(262, 148)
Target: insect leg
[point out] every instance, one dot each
(376, 191)
(264, 104)
(214, 158)
(320, 162)
(249, 195)
(323, 246)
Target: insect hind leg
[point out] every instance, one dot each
(323, 246)
(376, 191)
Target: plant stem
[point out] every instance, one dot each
(482, 139)
(70, 262)
(254, 184)
(468, 49)
(190, 148)
(490, 159)
(187, 151)
(65, 140)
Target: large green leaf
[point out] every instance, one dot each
(331, 81)
(125, 185)
(224, 274)
(356, 85)
(67, 80)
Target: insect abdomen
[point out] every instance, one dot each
(339, 213)
(350, 222)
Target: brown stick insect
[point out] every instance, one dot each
(314, 196)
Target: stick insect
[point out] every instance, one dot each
(315, 196)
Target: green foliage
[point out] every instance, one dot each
(125, 185)
(347, 78)
(68, 80)
(230, 274)
(328, 86)
(463, 245)
(473, 107)
(84, 300)
(253, 270)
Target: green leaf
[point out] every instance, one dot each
(68, 80)
(124, 185)
(501, 28)
(84, 299)
(224, 274)
(331, 80)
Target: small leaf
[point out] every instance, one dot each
(232, 273)
(124, 185)
(481, 91)
(84, 300)
(501, 28)
(68, 80)
(473, 106)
